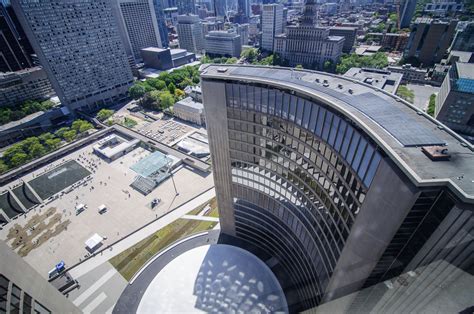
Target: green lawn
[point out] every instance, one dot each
(131, 260)
(212, 213)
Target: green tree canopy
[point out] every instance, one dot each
(432, 105)
(249, 54)
(378, 60)
(171, 88)
(104, 114)
(405, 93)
(166, 100)
(137, 91)
(70, 135)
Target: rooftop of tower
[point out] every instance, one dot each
(398, 127)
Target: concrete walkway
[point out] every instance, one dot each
(203, 218)
(131, 240)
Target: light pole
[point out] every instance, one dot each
(174, 185)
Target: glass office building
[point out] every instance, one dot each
(325, 180)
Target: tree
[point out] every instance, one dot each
(432, 105)
(156, 83)
(171, 88)
(45, 136)
(166, 100)
(70, 135)
(249, 54)
(152, 100)
(328, 66)
(393, 17)
(80, 126)
(137, 91)
(18, 159)
(28, 143)
(378, 60)
(206, 59)
(104, 114)
(52, 144)
(60, 132)
(3, 166)
(36, 150)
(179, 93)
(12, 151)
(380, 28)
(232, 60)
(405, 93)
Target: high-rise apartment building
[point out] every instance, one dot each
(307, 44)
(407, 9)
(455, 100)
(79, 45)
(161, 20)
(13, 56)
(190, 33)
(138, 25)
(272, 24)
(430, 39)
(23, 290)
(335, 184)
(223, 43)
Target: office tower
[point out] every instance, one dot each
(138, 26)
(312, 177)
(79, 46)
(430, 39)
(464, 40)
(407, 9)
(223, 43)
(455, 100)
(307, 44)
(24, 290)
(160, 19)
(20, 86)
(220, 8)
(243, 31)
(272, 24)
(190, 33)
(13, 56)
(243, 12)
(349, 34)
(186, 6)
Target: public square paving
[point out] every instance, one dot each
(110, 185)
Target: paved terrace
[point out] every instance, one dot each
(399, 128)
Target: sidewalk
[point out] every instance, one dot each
(127, 242)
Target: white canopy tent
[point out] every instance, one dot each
(93, 242)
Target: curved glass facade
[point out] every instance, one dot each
(300, 173)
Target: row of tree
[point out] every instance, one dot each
(37, 146)
(223, 60)
(8, 114)
(378, 60)
(162, 92)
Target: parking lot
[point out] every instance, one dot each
(109, 185)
